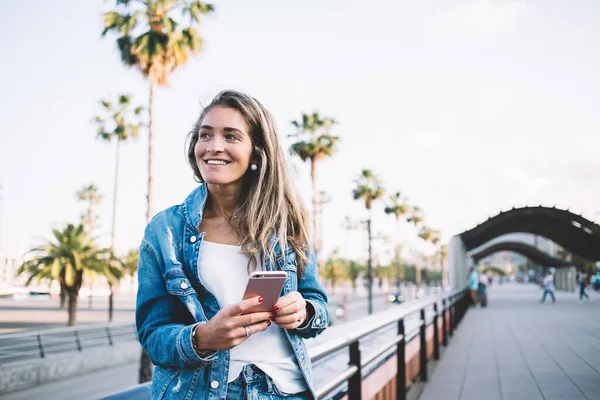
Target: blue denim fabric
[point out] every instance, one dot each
(551, 293)
(172, 300)
(254, 384)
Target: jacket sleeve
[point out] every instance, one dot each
(310, 288)
(161, 326)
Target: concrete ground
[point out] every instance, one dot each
(519, 349)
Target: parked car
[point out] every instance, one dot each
(397, 298)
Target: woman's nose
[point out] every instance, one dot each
(216, 146)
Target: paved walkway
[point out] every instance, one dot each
(518, 349)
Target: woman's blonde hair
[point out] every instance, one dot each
(271, 204)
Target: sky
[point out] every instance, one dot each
(467, 107)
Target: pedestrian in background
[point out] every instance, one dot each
(583, 283)
(548, 285)
(596, 282)
(474, 286)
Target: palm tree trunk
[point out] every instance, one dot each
(114, 210)
(89, 221)
(72, 307)
(90, 298)
(370, 267)
(315, 201)
(110, 303)
(63, 296)
(145, 373)
(150, 143)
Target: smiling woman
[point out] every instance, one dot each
(195, 260)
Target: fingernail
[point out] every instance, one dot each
(268, 323)
(260, 300)
(275, 307)
(271, 316)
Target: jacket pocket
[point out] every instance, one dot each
(178, 284)
(163, 381)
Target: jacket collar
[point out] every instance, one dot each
(193, 207)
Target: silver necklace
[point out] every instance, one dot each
(233, 216)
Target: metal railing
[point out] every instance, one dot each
(451, 307)
(453, 302)
(40, 344)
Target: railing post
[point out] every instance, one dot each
(355, 383)
(110, 341)
(77, 340)
(451, 316)
(461, 308)
(444, 324)
(436, 333)
(39, 340)
(423, 349)
(401, 364)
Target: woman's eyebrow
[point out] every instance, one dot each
(226, 129)
(230, 129)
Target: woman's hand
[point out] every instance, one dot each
(290, 311)
(228, 328)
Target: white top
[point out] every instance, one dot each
(223, 269)
(549, 282)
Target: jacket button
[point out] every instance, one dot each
(193, 239)
(183, 285)
(318, 321)
(214, 384)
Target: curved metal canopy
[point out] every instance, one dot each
(575, 233)
(535, 255)
(498, 270)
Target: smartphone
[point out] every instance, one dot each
(267, 284)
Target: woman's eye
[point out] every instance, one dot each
(231, 137)
(204, 135)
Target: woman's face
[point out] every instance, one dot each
(224, 148)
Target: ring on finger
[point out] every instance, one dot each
(247, 331)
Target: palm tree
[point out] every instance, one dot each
(368, 188)
(154, 37)
(398, 207)
(315, 143)
(113, 271)
(90, 195)
(71, 256)
(120, 123)
(443, 257)
(431, 236)
(333, 271)
(130, 262)
(415, 216)
(353, 272)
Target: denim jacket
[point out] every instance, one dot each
(171, 300)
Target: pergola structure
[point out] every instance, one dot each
(535, 255)
(576, 234)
